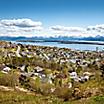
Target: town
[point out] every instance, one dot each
(65, 73)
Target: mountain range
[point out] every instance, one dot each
(65, 38)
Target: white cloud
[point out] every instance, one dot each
(19, 27)
(79, 31)
(20, 23)
(28, 28)
(68, 29)
(96, 30)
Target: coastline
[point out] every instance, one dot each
(62, 42)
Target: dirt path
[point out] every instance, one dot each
(17, 88)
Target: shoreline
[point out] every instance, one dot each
(61, 42)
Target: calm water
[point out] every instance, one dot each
(72, 46)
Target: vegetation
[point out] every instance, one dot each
(45, 75)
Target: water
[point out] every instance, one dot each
(71, 46)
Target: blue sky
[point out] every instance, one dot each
(65, 13)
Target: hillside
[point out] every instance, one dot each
(50, 75)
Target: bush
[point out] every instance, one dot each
(64, 93)
(99, 99)
(10, 79)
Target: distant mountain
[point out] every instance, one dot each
(7, 38)
(65, 38)
(97, 38)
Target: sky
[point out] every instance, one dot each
(51, 18)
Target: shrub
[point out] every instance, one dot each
(99, 99)
(64, 93)
(10, 79)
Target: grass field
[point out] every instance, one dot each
(15, 97)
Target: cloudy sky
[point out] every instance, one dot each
(51, 18)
